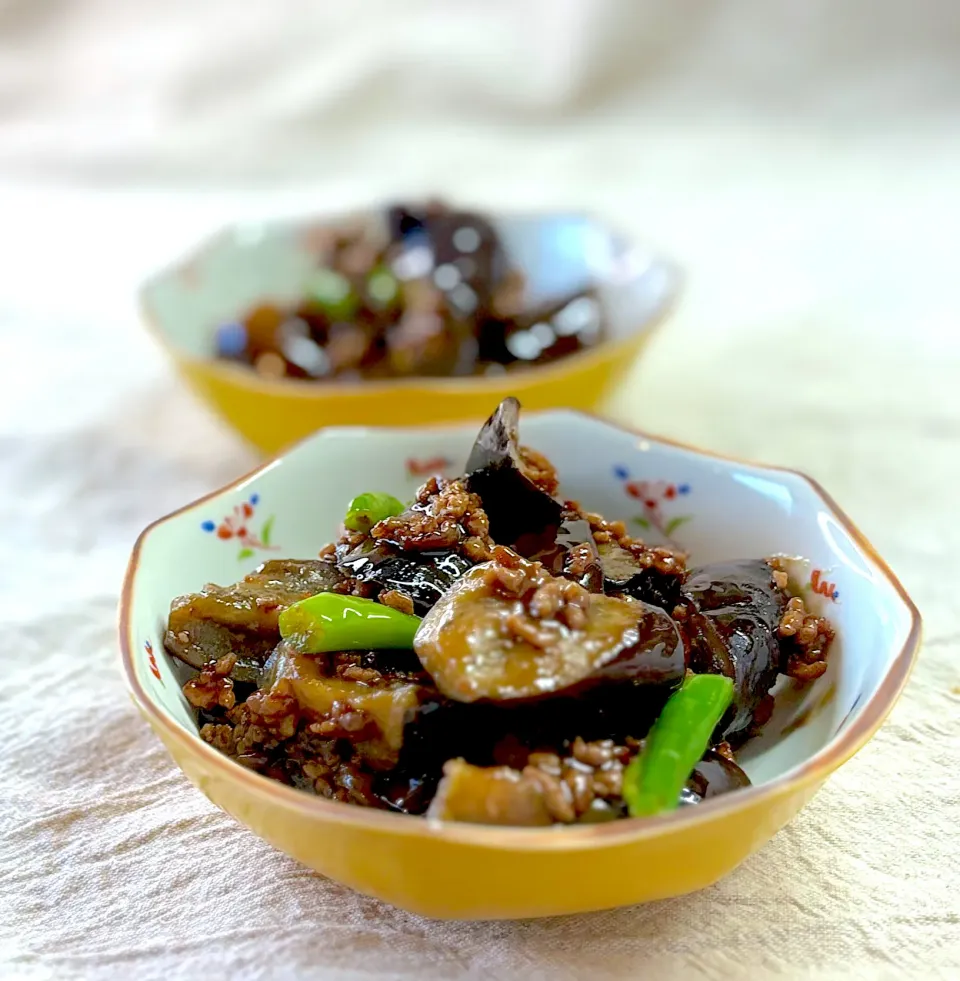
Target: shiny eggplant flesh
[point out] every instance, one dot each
(424, 576)
(715, 774)
(623, 573)
(731, 628)
(242, 619)
(196, 642)
(515, 505)
(384, 707)
(489, 795)
(478, 645)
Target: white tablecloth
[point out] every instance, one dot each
(821, 329)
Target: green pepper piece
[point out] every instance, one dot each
(365, 510)
(334, 622)
(382, 287)
(332, 293)
(675, 744)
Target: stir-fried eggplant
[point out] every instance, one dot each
(731, 629)
(569, 551)
(544, 666)
(489, 795)
(624, 573)
(377, 711)
(424, 577)
(715, 774)
(496, 471)
(478, 644)
(242, 619)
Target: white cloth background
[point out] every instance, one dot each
(801, 160)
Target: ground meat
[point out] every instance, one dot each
(445, 514)
(556, 794)
(725, 750)
(570, 784)
(276, 712)
(565, 601)
(511, 576)
(580, 560)
(806, 639)
(664, 560)
(220, 736)
(342, 781)
(603, 530)
(363, 676)
(781, 578)
(212, 688)
(345, 723)
(541, 599)
(267, 733)
(477, 548)
(537, 468)
(397, 600)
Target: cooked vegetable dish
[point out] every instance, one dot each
(495, 653)
(429, 291)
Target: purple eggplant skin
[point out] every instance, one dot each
(514, 504)
(714, 775)
(734, 612)
(424, 577)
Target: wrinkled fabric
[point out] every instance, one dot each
(810, 193)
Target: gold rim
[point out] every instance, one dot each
(840, 748)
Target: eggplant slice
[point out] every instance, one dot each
(715, 774)
(516, 507)
(623, 573)
(731, 629)
(242, 618)
(424, 577)
(466, 644)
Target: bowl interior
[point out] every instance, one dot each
(247, 264)
(713, 508)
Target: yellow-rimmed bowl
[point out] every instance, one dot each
(716, 508)
(247, 264)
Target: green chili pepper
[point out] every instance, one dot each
(382, 287)
(675, 744)
(365, 510)
(333, 294)
(334, 622)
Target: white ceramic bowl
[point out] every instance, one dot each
(713, 507)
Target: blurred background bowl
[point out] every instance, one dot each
(247, 264)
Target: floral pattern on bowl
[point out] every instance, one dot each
(237, 525)
(656, 497)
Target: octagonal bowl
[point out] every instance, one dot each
(715, 508)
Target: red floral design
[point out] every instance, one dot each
(653, 495)
(427, 467)
(820, 585)
(152, 661)
(237, 526)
